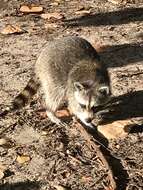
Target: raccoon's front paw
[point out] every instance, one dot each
(63, 124)
(55, 119)
(59, 122)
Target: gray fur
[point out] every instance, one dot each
(68, 69)
(61, 64)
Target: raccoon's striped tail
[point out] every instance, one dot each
(28, 92)
(24, 97)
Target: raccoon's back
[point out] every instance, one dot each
(59, 56)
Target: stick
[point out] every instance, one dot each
(93, 145)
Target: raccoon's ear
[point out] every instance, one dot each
(78, 86)
(104, 90)
(88, 83)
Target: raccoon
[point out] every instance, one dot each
(69, 69)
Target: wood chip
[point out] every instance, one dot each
(83, 12)
(48, 16)
(22, 159)
(31, 9)
(116, 129)
(12, 29)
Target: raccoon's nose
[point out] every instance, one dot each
(88, 120)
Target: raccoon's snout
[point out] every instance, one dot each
(88, 120)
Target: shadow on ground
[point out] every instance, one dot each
(108, 18)
(27, 185)
(126, 106)
(123, 54)
(117, 55)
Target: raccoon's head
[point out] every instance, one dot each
(89, 95)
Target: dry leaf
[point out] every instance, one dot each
(11, 29)
(22, 159)
(57, 16)
(62, 113)
(83, 12)
(31, 9)
(59, 113)
(116, 129)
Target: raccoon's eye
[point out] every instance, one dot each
(82, 106)
(93, 108)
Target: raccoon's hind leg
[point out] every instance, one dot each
(53, 99)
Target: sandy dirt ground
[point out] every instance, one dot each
(60, 156)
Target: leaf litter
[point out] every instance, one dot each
(62, 155)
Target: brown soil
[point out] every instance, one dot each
(60, 156)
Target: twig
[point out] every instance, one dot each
(93, 145)
(132, 74)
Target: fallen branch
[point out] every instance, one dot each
(96, 147)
